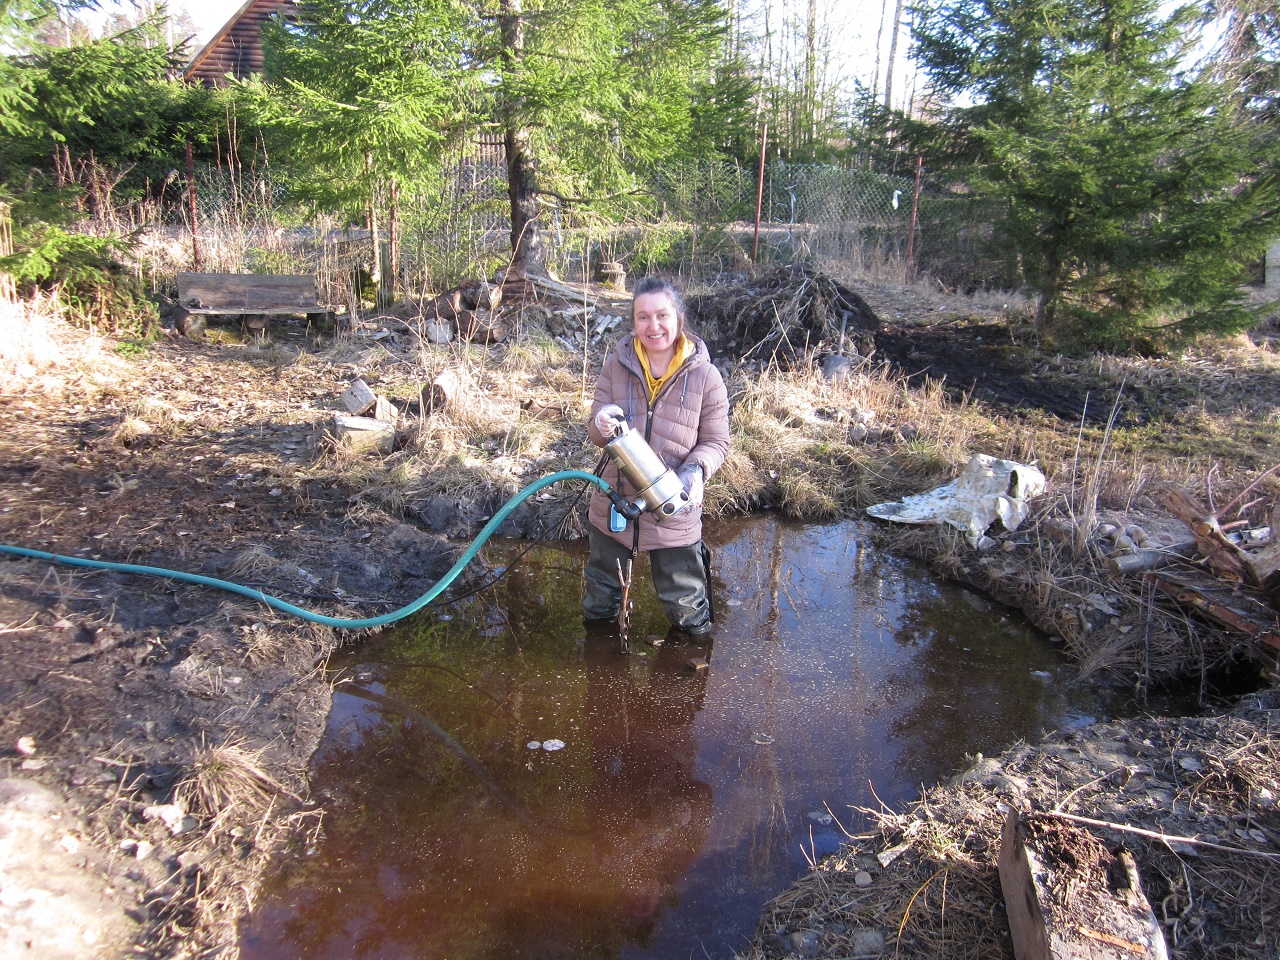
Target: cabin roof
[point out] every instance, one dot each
(236, 48)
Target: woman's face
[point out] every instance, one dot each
(656, 320)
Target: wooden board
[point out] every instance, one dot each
(230, 293)
(1236, 606)
(1109, 917)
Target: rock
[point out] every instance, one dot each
(26, 746)
(908, 431)
(360, 434)
(170, 814)
(867, 942)
(806, 943)
(862, 878)
(438, 331)
(858, 433)
(438, 513)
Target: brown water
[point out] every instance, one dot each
(682, 799)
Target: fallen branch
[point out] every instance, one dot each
(1224, 557)
(1157, 835)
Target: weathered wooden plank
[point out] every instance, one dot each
(211, 293)
(1235, 606)
(1069, 898)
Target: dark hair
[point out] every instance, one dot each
(658, 285)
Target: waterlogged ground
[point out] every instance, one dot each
(682, 799)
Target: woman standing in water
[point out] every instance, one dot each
(661, 382)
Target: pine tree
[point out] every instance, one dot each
(586, 93)
(591, 93)
(1134, 197)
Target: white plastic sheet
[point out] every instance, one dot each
(988, 489)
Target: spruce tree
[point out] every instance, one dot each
(1134, 197)
(586, 93)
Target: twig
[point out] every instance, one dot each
(1165, 838)
(1247, 490)
(1057, 807)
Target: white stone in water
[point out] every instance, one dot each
(534, 744)
(552, 744)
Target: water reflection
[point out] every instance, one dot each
(683, 798)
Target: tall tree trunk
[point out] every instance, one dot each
(875, 72)
(393, 239)
(893, 52)
(528, 252)
(371, 219)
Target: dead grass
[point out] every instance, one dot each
(39, 351)
(228, 783)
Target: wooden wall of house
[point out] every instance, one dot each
(237, 47)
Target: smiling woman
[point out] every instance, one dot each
(661, 382)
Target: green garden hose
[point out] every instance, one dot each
(347, 623)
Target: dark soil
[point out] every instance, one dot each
(984, 362)
(115, 685)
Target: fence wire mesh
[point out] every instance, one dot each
(697, 221)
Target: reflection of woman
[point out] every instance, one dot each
(661, 382)
(649, 813)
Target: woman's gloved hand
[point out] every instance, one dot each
(607, 419)
(694, 485)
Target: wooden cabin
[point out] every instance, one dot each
(236, 49)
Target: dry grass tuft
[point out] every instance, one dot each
(228, 783)
(256, 562)
(37, 348)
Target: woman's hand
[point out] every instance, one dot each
(694, 485)
(607, 419)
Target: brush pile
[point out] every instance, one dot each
(782, 315)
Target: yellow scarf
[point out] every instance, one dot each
(684, 350)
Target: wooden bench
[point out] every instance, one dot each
(251, 296)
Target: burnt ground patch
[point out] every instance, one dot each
(985, 361)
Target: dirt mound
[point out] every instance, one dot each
(985, 362)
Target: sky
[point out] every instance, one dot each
(208, 15)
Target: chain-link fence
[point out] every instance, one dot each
(693, 218)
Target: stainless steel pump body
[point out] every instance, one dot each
(658, 489)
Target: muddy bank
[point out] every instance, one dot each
(168, 725)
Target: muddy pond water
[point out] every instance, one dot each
(501, 782)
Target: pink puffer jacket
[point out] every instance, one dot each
(689, 424)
